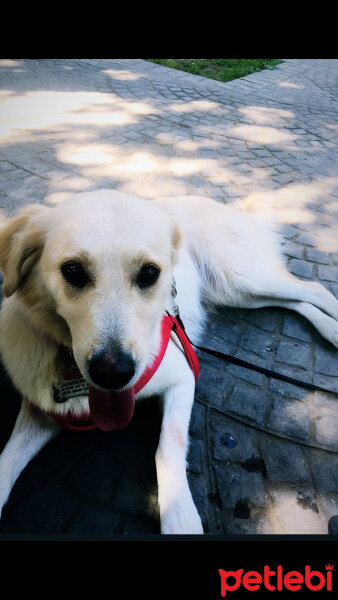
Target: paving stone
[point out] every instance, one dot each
(237, 485)
(294, 250)
(297, 327)
(87, 478)
(307, 239)
(294, 353)
(257, 341)
(92, 520)
(49, 507)
(325, 381)
(245, 442)
(289, 232)
(328, 273)
(334, 289)
(333, 525)
(284, 462)
(133, 496)
(264, 318)
(6, 166)
(307, 499)
(252, 525)
(288, 515)
(326, 431)
(324, 467)
(195, 457)
(288, 390)
(246, 374)
(136, 525)
(213, 385)
(301, 268)
(317, 256)
(245, 401)
(326, 361)
(283, 179)
(290, 418)
(197, 421)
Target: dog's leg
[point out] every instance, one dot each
(277, 287)
(288, 287)
(326, 326)
(307, 298)
(177, 509)
(31, 432)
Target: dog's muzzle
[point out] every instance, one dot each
(111, 371)
(111, 408)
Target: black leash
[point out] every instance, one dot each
(252, 367)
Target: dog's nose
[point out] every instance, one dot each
(111, 371)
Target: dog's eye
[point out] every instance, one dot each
(148, 275)
(75, 274)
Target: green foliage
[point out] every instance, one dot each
(222, 69)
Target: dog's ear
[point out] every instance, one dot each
(176, 237)
(21, 243)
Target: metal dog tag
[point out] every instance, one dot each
(176, 310)
(173, 288)
(63, 390)
(72, 385)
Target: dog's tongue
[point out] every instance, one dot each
(111, 410)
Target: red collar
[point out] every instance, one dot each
(169, 324)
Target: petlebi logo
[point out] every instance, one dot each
(277, 579)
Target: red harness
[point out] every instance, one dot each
(169, 324)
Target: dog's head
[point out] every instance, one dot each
(95, 274)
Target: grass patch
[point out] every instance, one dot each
(221, 69)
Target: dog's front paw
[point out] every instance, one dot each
(181, 517)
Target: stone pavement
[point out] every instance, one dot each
(264, 454)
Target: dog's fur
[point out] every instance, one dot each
(218, 255)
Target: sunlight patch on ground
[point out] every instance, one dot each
(63, 190)
(58, 197)
(110, 161)
(326, 428)
(327, 240)
(262, 114)
(123, 75)
(9, 63)
(194, 106)
(88, 154)
(294, 204)
(291, 85)
(187, 166)
(137, 162)
(4, 95)
(261, 135)
(288, 516)
(37, 111)
(290, 202)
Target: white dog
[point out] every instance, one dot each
(91, 280)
